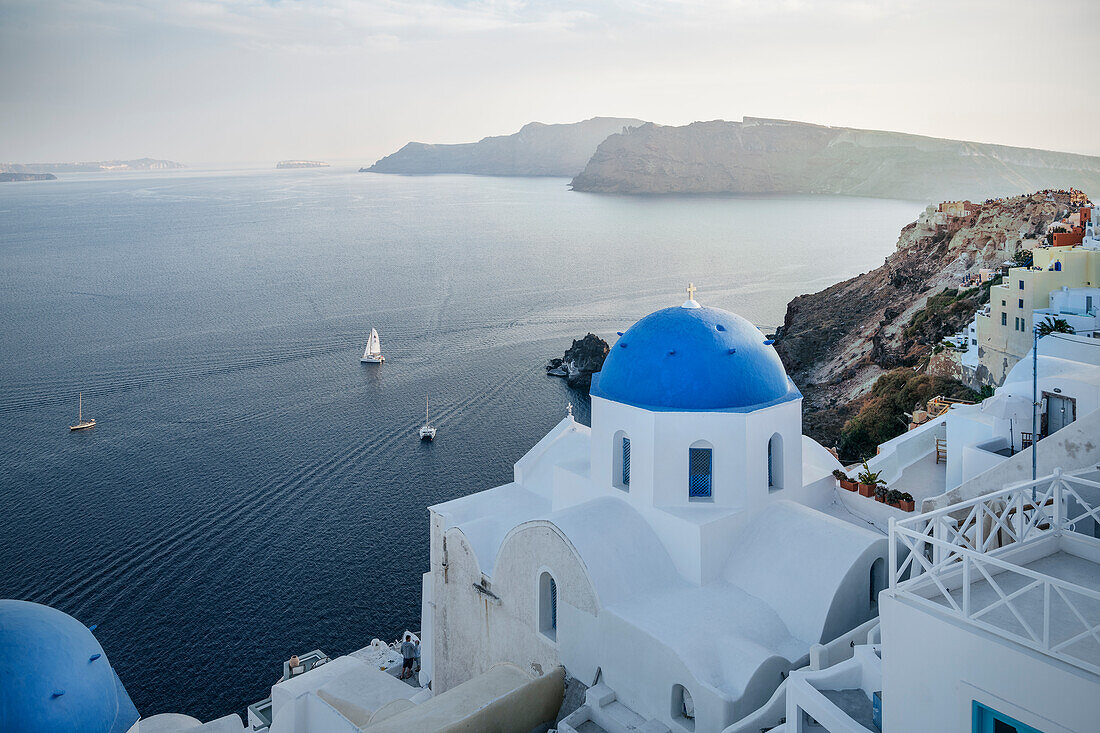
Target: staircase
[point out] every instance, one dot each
(603, 713)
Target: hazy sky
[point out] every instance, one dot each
(205, 81)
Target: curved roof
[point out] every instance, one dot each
(693, 358)
(57, 677)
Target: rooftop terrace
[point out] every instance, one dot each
(1022, 563)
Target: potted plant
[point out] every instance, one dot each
(906, 502)
(893, 497)
(845, 482)
(869, 480)
(880, 494)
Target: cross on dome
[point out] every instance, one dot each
(690, 302)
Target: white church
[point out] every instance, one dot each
(679, 557)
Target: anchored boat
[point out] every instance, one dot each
(427, 432)
(81, 423)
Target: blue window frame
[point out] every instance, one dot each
(1021, 284)
(553, 605)
(988, 720)
(626, 461)
(699, 473)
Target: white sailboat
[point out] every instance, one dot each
(427, 432)
(81, 423)
(373, 353)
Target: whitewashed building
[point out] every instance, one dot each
(678, 557)
(991, 623)
(1079, 307)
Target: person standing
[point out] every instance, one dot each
(408, 654)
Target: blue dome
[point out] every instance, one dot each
(693, 359)
(56, 676)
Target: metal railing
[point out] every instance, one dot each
(945, 553)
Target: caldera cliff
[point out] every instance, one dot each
(536, 150)
(836, 343)
(777, 156)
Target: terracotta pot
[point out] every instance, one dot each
(849, 485)
(880, 499)
(866, 489)
(905, 506)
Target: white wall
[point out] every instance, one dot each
(933, 668)
(659, 444)
(471, 631)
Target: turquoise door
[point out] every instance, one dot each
(988, 720)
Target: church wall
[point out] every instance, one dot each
(608, 418)
(786, 420)
(461, 616)
(472, 631)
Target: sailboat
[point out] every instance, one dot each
(81, 423)
(373, 353)
(427, 432)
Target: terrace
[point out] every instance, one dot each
(1022, 563)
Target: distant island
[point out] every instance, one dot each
(8, 177)
(536, 150)
(777, 156)
(141, 164)
(301, 164)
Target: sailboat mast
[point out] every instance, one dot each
(80, 407)
(425, 409)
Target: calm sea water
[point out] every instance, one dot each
(251, 490)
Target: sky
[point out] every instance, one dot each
(234, 81)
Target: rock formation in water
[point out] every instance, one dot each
(583, 359)
(8, 177)
(775, 156)
(536, 150)
(837, 342)
(301, 164)
(141, 164)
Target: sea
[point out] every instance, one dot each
(250, 489)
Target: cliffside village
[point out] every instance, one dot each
(1058, 289)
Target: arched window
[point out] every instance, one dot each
(620, 477)
(775, 462)
(548, 606)
(877, 581)
(700, 470)
(683, 707)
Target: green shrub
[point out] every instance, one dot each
(882, 415)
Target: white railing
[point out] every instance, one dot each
(947, 551)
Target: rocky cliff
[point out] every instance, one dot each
(581, 360)
(776, 156)
(536, 150)
(837, 342)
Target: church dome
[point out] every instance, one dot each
(56, 676)
(693, 358)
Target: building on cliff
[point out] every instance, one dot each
(1005, 329)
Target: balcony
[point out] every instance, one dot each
(1022, 563)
